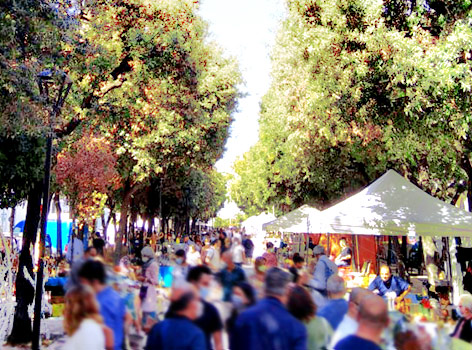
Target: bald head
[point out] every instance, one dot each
(373, 313)
(355, 298)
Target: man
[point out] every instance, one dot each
(230, 276)
(98, 243)
(387, 285)
(178, 331)
(212, 255)
(210, 322)
(268, 325)
(112, 307)
(73, 280)
(239, 256)
(324, 269)
(372, 319)
(181, 267)
(337, 306)
(297, 267)
(248, 247)
(344, 258)
(349, 325)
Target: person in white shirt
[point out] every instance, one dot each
(238, 252)
(83, 323)
(212, 256)
(349, 324)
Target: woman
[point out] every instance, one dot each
(257, 279)
(243, 297)
(83, 323)
(150, 280)
(463, 328)
(270, 256)
(301, 306)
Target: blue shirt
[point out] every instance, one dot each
(394, 284)
(353, 342)
(113, 311)
(268, 325)
(334, 312)
(229, 279)
(176, 333)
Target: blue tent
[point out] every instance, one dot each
(51, 232)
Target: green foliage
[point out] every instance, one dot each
(21, 165)
(359, 87)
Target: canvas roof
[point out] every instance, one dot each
(300, 220)
(392, 205)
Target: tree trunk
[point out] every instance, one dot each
(12, 226)
(59, 224)
(107, 223)
(150, 225)
(125, 204)
(22, 330)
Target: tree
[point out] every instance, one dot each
(360, 87)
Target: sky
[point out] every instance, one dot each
(245, 29)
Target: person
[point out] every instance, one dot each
(324, 269)
(212, 256)
(75, 250)
(270, 256)
(463, 329)
(349, 325)
(372, 319)
(413, 338)
(298, 263)
(180, 271)
(98, 243)
(244, 296)
(230, 275)
(73, 280)
(112, 306)
(337, 306)
(258, 278)
(178, 330)
(193, 255)
(239, 257)
(210, 321)
(344, 258)
(301, 305)
(268, 324)
(248, 247)
(83, 323)
(386, 284)
(150, 280)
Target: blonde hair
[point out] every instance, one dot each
(80, 304)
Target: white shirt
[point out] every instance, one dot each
(238, 254)
(89, 336)
(347, 327)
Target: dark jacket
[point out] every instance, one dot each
(268, 325)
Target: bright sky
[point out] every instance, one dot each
(246, 29)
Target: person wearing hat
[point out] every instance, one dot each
(150, 280)
(324, 269)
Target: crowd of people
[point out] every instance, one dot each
(222, 297)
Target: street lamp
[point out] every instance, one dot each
(45, 83)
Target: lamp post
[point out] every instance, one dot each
(45, 83)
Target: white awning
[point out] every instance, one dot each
(302, 220)
(394, 206)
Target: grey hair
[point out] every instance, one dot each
(276, 282)
(335, 285)
(466, 301)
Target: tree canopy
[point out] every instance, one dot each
(360, 87)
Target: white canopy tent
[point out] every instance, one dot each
(302, 220)
(394, 206)
(254, 224)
